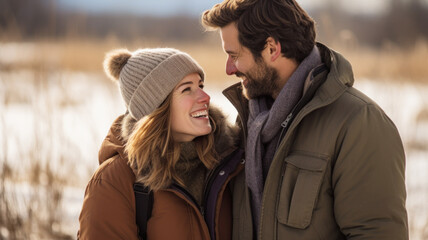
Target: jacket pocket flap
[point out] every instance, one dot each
(307, 162)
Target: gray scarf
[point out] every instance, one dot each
(264, 126)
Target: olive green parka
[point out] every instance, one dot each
(338, 172)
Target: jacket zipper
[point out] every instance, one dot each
(300, 104)
(211, 177)
(189, 196)
(284, 126)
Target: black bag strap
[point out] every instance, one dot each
(143, 206)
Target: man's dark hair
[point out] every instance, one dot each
(256, 20)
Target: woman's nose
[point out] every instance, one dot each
(230, 67)
(203, 97)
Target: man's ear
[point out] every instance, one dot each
(274, 48)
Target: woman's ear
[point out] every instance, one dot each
(274, 48)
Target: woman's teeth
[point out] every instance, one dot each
(199, 114)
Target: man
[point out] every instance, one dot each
(323, 161)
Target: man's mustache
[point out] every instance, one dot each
(239, 74)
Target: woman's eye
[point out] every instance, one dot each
(186, 89)
(201, 86)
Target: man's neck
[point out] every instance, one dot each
(285, 68)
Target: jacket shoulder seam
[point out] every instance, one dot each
(360, 98)
(109, 184)
(99, 175)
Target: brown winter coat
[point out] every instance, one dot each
(108, 210)
(338, 172)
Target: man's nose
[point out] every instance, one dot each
(230, 67)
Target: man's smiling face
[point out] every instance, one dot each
(257, 78)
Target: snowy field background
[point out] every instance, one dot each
(60, 119)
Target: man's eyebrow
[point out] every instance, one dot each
(230, 52)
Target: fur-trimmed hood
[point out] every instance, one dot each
(225, 136)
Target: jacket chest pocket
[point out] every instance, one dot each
(299, 190)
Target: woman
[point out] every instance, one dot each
(170, 140)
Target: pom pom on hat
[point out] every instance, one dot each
(115, 61)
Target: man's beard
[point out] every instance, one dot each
(261, 81)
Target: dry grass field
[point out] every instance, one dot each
(389, 62)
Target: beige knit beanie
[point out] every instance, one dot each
(147, 76)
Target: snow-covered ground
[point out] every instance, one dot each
(64, 118)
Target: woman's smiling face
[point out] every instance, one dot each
(189, 109)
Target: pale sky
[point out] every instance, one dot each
(365, 6)
(196, 7)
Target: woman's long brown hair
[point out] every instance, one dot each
(153, 153)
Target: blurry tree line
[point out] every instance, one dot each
(40, 19)
(403, 23)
